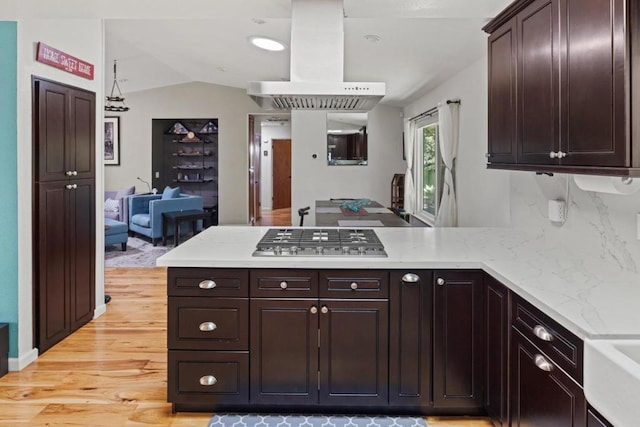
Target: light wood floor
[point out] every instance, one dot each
(112, 372)
(276, 217)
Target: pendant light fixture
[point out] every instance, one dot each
(115, 102)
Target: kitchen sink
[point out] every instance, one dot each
(612, 379)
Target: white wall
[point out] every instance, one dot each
(599, 225)
(83, 39)
(269, 132)
(483, 195)
(231, 106)
(313, 179)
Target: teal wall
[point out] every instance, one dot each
(9, 182)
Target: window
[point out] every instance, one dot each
(428, 168)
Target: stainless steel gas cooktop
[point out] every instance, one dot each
(320, 242)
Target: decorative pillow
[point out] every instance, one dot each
(125, 192)
(170, 193)
(111, 205)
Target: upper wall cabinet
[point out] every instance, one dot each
(560, 87)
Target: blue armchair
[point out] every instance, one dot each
(145, 212)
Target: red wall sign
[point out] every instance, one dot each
(64, 61)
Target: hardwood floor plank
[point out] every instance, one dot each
(112, 372)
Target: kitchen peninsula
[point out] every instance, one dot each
(433, 319)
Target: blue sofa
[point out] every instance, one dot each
(145, 212)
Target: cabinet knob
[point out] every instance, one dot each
(487, 155)
(542, 363)
(208, 380)
(561, 155)
(440, 281)
(313, 309)
(71, 186)
(542, 333)
(75, 173)
(354, 286)
(283, 285)
(208, 326)
(69, 173)
(207, 284)
(554, 155)
(324, 309)
(410, 278)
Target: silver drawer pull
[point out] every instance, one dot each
(313, 309)
(543, 363)
(354, 286)
(207, 284)
(283, 285)
(208, 326)
(324, 309)
(440, 281)
(542, 333)
(410, 278)
(208, 380)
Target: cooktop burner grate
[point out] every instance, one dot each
(320, 241)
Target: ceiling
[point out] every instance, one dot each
(163, 42)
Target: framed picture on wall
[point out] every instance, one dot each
(112, 140)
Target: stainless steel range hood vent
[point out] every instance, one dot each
(317, 66)
(339, 96)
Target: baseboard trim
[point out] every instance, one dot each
(99, 311)
(19, 363)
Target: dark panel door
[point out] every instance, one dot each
(538, 78)
(539, 397)
(52, 291)
(594, 83)
(502, 95)
(51, 130)
(81, 236)
(284, 352)
(354, 356)
(410, 339)
(457, 339)
(281, 173)
(82, 134)
(497, 325)
(594, 419)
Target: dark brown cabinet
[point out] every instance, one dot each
(542, 394)
(410, 301)
(458, 355)
(550, 59)
(63, 210)
(497, 326)
(309, 347)
(594, 419)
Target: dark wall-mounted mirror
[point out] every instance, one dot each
(347, 139)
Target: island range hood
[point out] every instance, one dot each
(317, 66)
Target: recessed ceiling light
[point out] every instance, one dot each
(372, 38)
(266, 43)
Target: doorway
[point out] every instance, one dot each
(270, 169)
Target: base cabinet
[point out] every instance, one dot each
(542, 394)
(458, 355)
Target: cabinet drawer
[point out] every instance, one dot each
(554, 340)
(284, 283)
(354, 284)
(208, 323)
(208, 282)
(208, 377)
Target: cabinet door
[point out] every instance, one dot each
(593, 64)
(502, 95)
(52, 298)
(594, 419)
(51, 129)
(354, 353)
(458, 339)
(538, 82)
(541, 393)
(284, 352)
(497, 325)
(410, 339)
(82, 133)
(81, 251)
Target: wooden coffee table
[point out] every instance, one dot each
(178, 217)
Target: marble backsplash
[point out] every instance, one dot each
(599, 226)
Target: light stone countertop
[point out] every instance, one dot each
(592, 298)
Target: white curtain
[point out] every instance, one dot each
(409, 186)
(449, 121)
